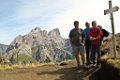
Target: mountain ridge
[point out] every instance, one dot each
(41, 45)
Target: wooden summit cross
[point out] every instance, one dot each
(110, 11)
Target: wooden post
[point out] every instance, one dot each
(113, 29)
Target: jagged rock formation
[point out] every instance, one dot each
(41, 45)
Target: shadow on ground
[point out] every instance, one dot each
(71, 73)
(101, 74)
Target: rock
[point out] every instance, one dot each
(42, 46)
(63, 63)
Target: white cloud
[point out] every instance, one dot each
(81, 10)
(82, 13)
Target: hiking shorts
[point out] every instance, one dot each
(78, 50)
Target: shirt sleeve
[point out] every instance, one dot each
(70, 34)
(82, 33)
(100, 33)
(89, 34)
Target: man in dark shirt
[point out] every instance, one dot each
(104, 32)
(76, 39)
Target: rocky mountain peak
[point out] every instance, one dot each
(40, 45)
(54, 32)
(18, 39)
(36, 29)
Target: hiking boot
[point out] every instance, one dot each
(88, 66)
(94, 64)
(84, 66)
(98, 64)
(78, 66)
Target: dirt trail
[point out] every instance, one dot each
(50, 72)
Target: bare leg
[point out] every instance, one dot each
(78, 60)
(83, 59)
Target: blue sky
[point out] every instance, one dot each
(18, 17)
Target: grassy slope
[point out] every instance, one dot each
(25, 58)
(109, 58)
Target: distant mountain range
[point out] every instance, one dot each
(39, 46)
(3, 49)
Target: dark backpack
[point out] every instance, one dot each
(105, 33)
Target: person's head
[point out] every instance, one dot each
(76, 24)
(87, 24)
(100, 26)
(94, 23)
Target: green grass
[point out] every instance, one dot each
(25, 58)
